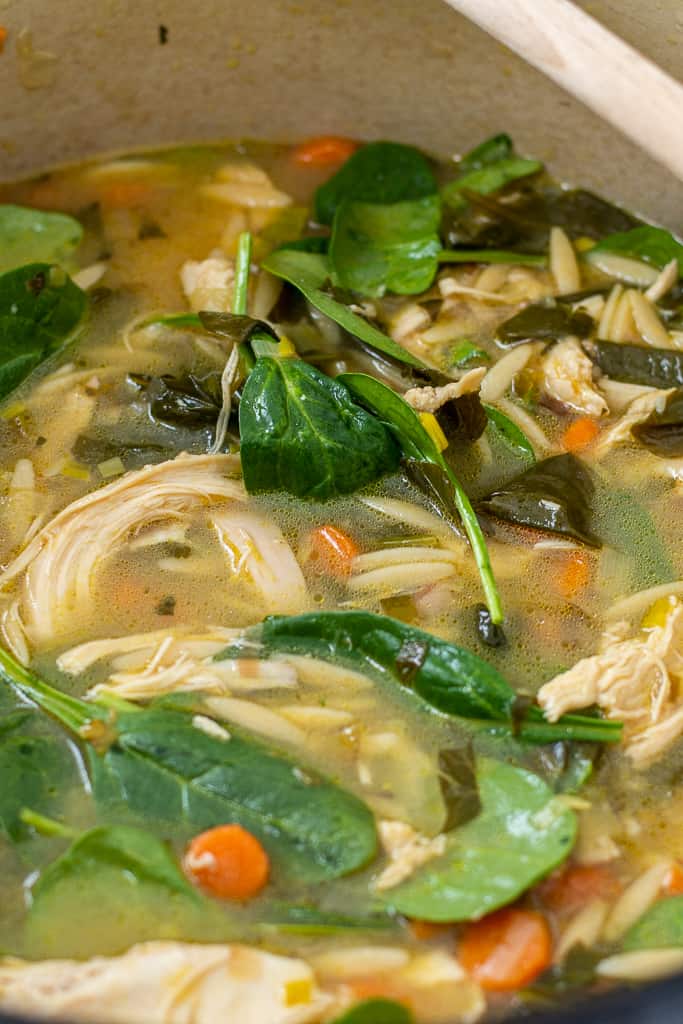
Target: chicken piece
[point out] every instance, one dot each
(208, 284)
(59, 564)
(408, 851)
(167, 983)
(568, 377)
(637, 681)
(429, 399)
(653, 400)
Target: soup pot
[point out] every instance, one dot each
(79, 79)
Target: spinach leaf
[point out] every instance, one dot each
(234, 327)
(301, 432)
(381, 172)
(660, 927)
(28, 235)
(628, 527)
(488, 152)
(465, 353)
(376, 1011)
(488, 178)
(462, 419)
(637, 364)
(33, 769)
(521, 834)
(447, 677)
(662, 432)
(309, 272)
(378, 248)
(552, 495)
(40, 307)
(458, 780)
(544, 322)
(492, 256)
(503, 428)
(650, 244)
(157, 766)
(190, 401)
(417, 444)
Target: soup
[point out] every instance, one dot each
(340, 600)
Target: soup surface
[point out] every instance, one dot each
(342, 643)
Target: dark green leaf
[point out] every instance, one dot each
(312, 243)
(490, 151)
(40, 307)
(464, 353)
(660, 927)
(662, 432)
(309, 273)
(378, 248)
(432, 480)
(190, 401)
(576, 972)
(307, 920)
(504, 428)
(490, 633)
(650, 244)
(521, 834)
(33, 768)
(553, 495)
(462, 419)
(447, 677)
(381, 172)
(28, 236)
(638, 364)
(543, 322)
(376, 1011)
(301, 432)
(458, 779)
(234, 328)
(523, 259)
(488, 178)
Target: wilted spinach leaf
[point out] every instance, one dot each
(510, 434)
(381, 172)
(458, 780)
(637, 364)
(182, 401)
(660, 927)
(490, 151)
(462, 419)
(376, 1011)
(28, 236)
(40, 307)
(234, 327)
(650, 244)
(378, 248)
(662, 432)
(301, 432)
(544, 322)
(488, 178)
(521, 834)
(553, 495)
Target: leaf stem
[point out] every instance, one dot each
(491, 256)
(70, 711)
(46, 826)
(242, 267)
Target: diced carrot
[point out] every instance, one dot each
(570, 889)
(574, 573)
(332, 550)
(673, 881)
(228, 862)
(119, 195)
(426, 930)
(506, 950)
(580, 434)
(3, 37)
(325, 151)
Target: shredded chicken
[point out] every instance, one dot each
(653, 400)
(168, 983)
(568, 377)
(59, 564)
(208, 284)
(637, 681)
(408, 851)
(428, 399)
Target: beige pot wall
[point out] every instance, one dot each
(409, 70)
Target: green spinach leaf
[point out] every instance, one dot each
(553, 495)
(487, 178)
(40, 307)
(543, 322)
(502, 427)
(33, 769)
(637, 364)
(522, 259)
(459, 788)
(660, 927)
(447, 677)
(301, 432)
(662, 432)
(521, 834)
(309, 273)
(647, 243)
(378, 248)
(157, 765)
(376, 1011)
(27, 236)
(381, 172)
(490, 151)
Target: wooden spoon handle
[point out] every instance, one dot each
(593, 64)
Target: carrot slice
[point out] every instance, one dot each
(3, 37)
(574, 575)
(580, 434)
(228, 862)
(570, 889)
(331, 550)
(673, 882)
(506, 950)
(325, 151)
(426, 930)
